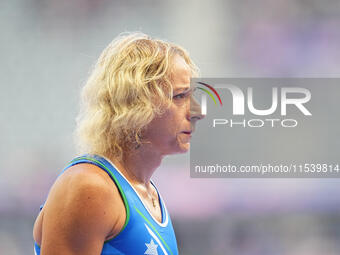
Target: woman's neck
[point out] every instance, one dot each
(139, 165)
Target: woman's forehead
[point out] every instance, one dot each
(181, 73)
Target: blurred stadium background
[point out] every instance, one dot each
(47, 50)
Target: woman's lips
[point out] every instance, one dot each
(187, 132)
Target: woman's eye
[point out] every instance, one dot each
(179, 96)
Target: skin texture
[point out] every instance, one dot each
(80, 213)
(84, 208)
(166, 132)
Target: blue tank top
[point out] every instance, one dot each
(141, 233)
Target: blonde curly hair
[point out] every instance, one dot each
(129, 85)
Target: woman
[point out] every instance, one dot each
(136, 110)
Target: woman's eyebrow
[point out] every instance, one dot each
(183, 89)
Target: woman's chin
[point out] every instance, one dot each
(184, 147)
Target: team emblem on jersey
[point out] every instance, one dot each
(152, 244)
(152, 248)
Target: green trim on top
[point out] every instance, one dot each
(77, 158)
(154, 229)
(119, 188)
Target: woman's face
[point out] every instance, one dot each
(171, 132)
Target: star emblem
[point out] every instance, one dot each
(151, 248)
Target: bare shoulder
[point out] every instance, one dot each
(83, 185)
(85, 178)
(83, 207)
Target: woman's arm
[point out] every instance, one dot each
(83, 208)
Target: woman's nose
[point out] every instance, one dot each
(195, 110)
